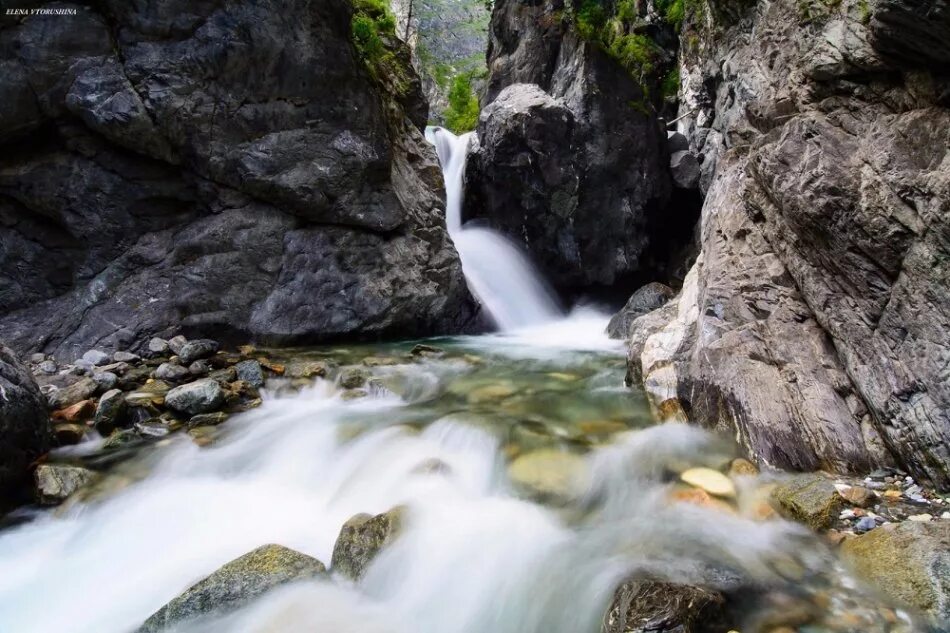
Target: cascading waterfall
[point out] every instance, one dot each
(498, 273)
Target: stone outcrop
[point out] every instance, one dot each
(570, 162)
(176, 166)
(814, 325)
(25, 432)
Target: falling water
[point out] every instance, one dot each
(498, 273)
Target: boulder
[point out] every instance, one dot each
(109, 411)
(250, 371)
(194, 350)
(361, 539)
(646, 299)
(157, 346)
(82, 389)
(307, 215)
(55, 482)
(809, 498)
(200, 396)
(908, 562)
(25, 432)
(96, 357)
(234, 585)
(353, 378)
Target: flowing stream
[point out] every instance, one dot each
(533, 484)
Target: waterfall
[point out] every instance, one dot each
(499, 274)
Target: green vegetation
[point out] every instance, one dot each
(462, 113)
(372, 21)
(865, 10)
(614, 28)
(671, 84)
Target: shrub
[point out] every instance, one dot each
(462, 113)
(671, 84)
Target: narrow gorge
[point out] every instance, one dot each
(510, 316)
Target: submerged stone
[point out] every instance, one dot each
(55, 482)
(234, 585)
(712, 481)
(550, 475)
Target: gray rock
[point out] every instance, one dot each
(646, 299)
(158, 346)
(200, 396)
(126, 357)
(96, 357)
(361, 539)
(676, 142)
(810, 498)
(234, 585)
(250, 371)
(55, 482)
(199, 368)
(193, 350)
(109, 412)
(105, 380)
(685, 169)
(643, 605)
(171, 371)
(175, 343)
(327, 208)
(71, 394)
(47, 367)
(25, 432)
(353, 378)
(37, 358)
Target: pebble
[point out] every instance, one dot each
(199, 368)
(200, 348)
(712, 481)
(865, 524)
(126, 357)
(920, 518)
(171, 371)
(875, 485)
(37, 358)
(175, 343)
(96, 357)
(105, 379)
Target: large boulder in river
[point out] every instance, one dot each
(815, 325)
(234, 585)
(231, 194)
(570, 162)
(25, 432)
(361, 539)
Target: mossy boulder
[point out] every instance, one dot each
(810, 498)
(361, 539)
(909, 562)
(235, 584)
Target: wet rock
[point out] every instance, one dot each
(194, 350)
(646, 299)
(125, 357)
(651, 606)
(910, 562)
(234, 585)
(82, 389)
(134, 376)
(200, 396)
(421, 349)
(55, 482)
(490, 393)
(306, 369)
(69, 433)
(361, 539)
(143, 398)
(353, 378)
(109, 412)
(857, 495)
(550, 475)
(121, 439)
(175, 343)
(742, 467)
(809, 498)
(153, 428)
(207, 419)
(75, 413)
(864, 524)
(712, 481)
(171, 371)
(105, 380)
(96, 357)
(250, 371)
(354, 394)
(158, 347)
(25, 432)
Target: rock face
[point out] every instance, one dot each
(566, 164)
(181, 166)
(25, 432)
(645, 300)
(814, 324)
(234, 585)
(909, 562)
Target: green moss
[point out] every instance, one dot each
(865, 11)
(671, 84)
(462, 113)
